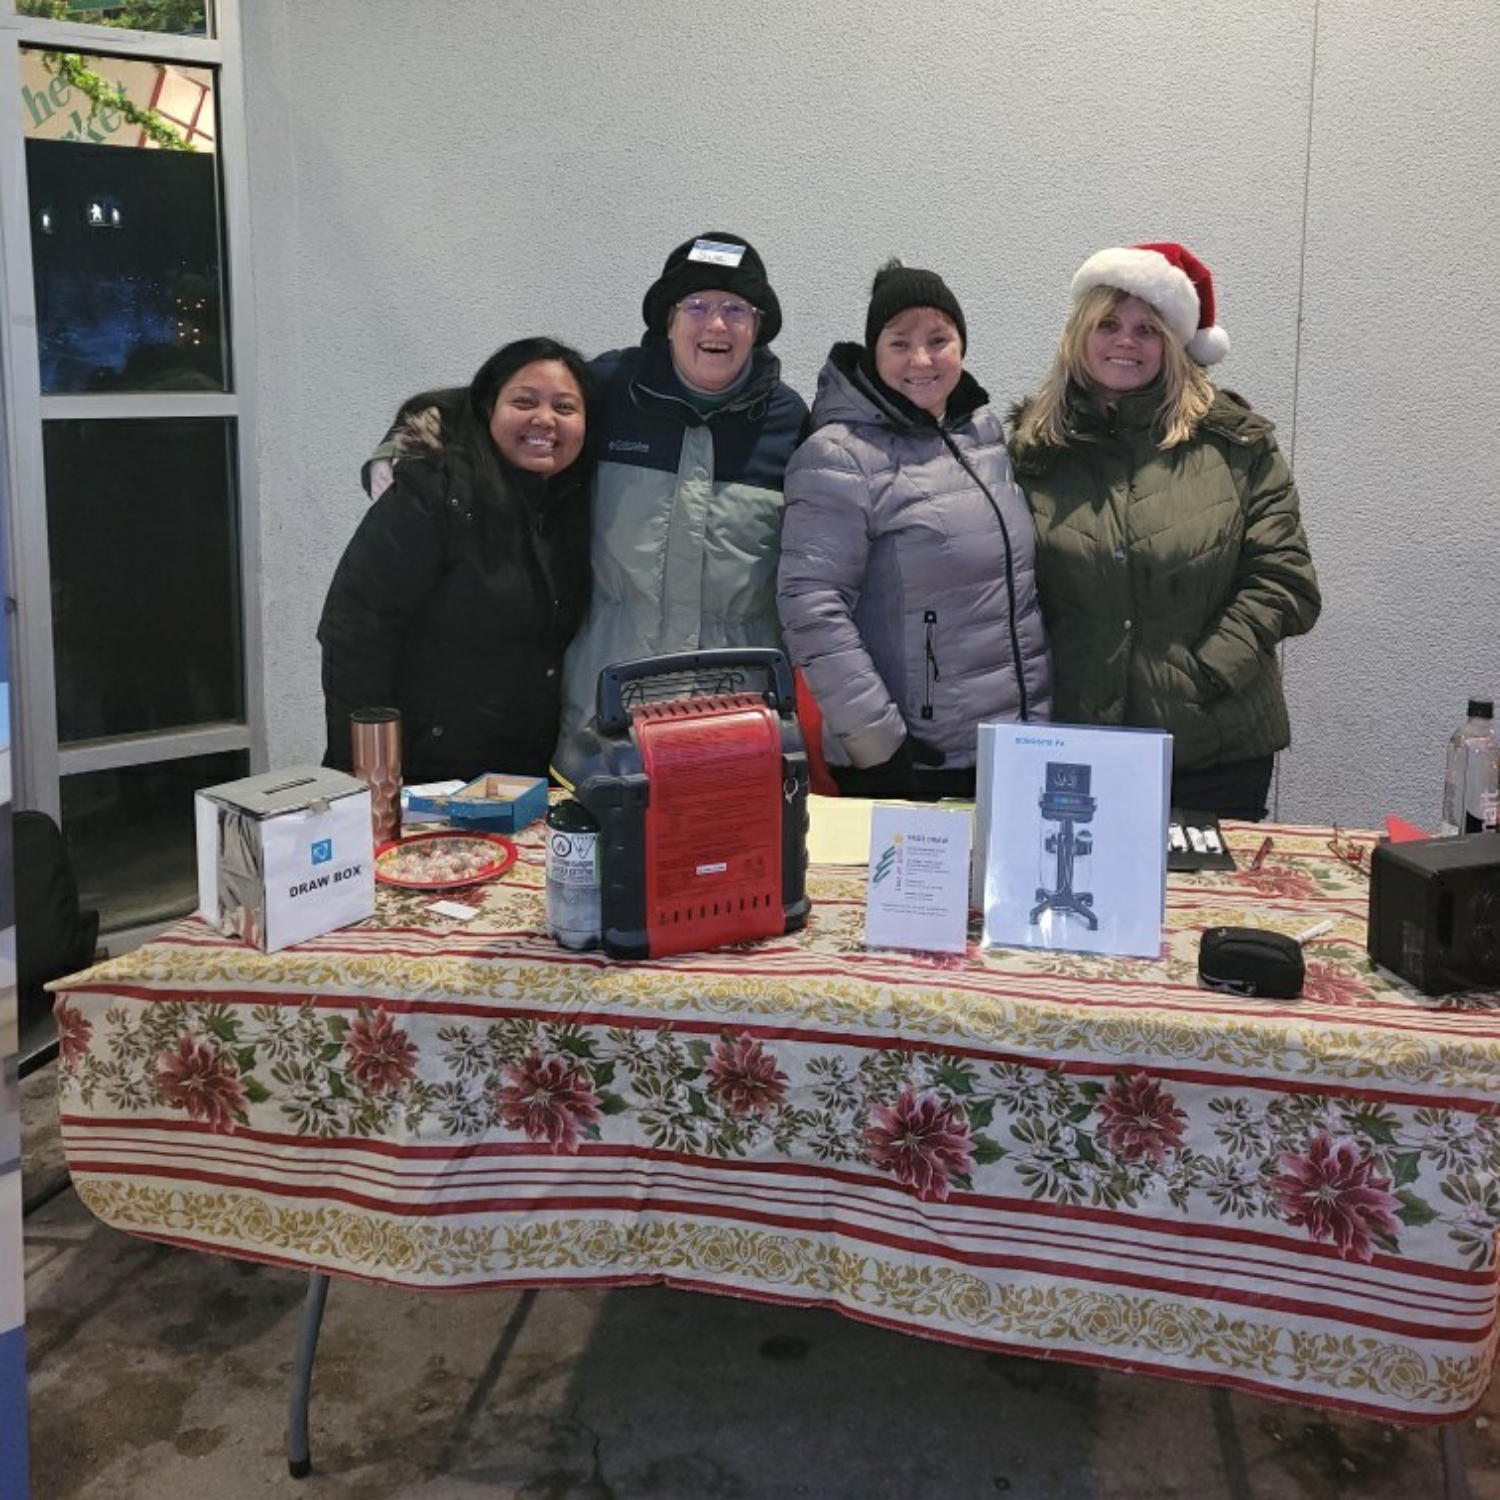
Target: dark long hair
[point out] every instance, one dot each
(466, 412)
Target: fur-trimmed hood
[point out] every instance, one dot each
(414, 434)
(418, 432)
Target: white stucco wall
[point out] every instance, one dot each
(429, 181)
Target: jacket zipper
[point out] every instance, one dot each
(542, 555)
(934, 672)
(1024, 698)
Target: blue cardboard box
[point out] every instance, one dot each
(428, 802)
(492, 803)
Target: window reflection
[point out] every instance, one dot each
(127, 269)
(130, 832)
(145, 568)
(166, 17)
(122, 183)
(116, 101)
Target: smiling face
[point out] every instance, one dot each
(920, 354)
(1123, 350)
(538, 420)
(712, 334)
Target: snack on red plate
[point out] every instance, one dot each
(443, 859)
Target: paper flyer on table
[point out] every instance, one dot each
(919, 878)
(1072, 832)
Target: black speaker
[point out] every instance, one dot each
(1435, 911)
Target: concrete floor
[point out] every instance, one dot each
(157, 1373)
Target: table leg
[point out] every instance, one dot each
(1455, 1476)
(298, 1448)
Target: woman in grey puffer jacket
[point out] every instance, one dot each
(907, 584)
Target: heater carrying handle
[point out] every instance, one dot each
(728, 664)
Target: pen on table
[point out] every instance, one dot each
(1258, 858)
(1316, 930)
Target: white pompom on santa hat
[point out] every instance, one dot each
(1173, 280)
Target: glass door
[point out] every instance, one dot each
(133, 581)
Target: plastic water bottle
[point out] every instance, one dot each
(574, 915)
(1471, 788)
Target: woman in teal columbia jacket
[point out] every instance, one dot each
(1171, 559)
(694, 428)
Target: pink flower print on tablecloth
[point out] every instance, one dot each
(551, 1099)
(1337, 1194)
(924, 1141)
(74, 1033)
(1140, 1121)
(744, 1076)
(931, 960)
(1278, 884)
(1332, 984)
(381, 1057)
(204, 1082)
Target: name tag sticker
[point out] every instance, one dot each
(717, 253)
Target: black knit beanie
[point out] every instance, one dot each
(899, 287)
(708, 262)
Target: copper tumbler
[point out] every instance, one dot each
(376, 736)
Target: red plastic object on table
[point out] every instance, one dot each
(1399, 831)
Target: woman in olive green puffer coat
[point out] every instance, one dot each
(1171, 559)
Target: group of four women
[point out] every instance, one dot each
(1132, 555)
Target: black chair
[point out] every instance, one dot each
(54, 935)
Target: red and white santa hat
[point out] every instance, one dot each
(1173, 280)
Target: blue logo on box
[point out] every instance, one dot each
(322, 851)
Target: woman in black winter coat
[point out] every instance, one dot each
(469, 574)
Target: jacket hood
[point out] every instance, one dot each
(414, 434)
(657, 378)
(847, 394)
(422, 432)
(1236, 419)
(1229, 415)
(418, 433)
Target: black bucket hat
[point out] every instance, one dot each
(710, 261)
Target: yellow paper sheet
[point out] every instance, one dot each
(838, 830)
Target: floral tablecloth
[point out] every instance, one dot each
(1047, 1153)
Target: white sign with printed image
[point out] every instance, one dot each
(1071, 837)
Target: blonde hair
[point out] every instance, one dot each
(1186, 395)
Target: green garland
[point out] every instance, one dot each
(177, 16)
(182, 17)
(102, 94)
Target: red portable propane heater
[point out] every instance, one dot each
(696, 772)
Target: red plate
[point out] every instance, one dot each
(443, 860)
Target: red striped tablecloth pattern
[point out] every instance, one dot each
(1048, 1153)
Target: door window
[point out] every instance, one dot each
(134, 647)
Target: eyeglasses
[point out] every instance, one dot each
(734, 314)
(1356, 856)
